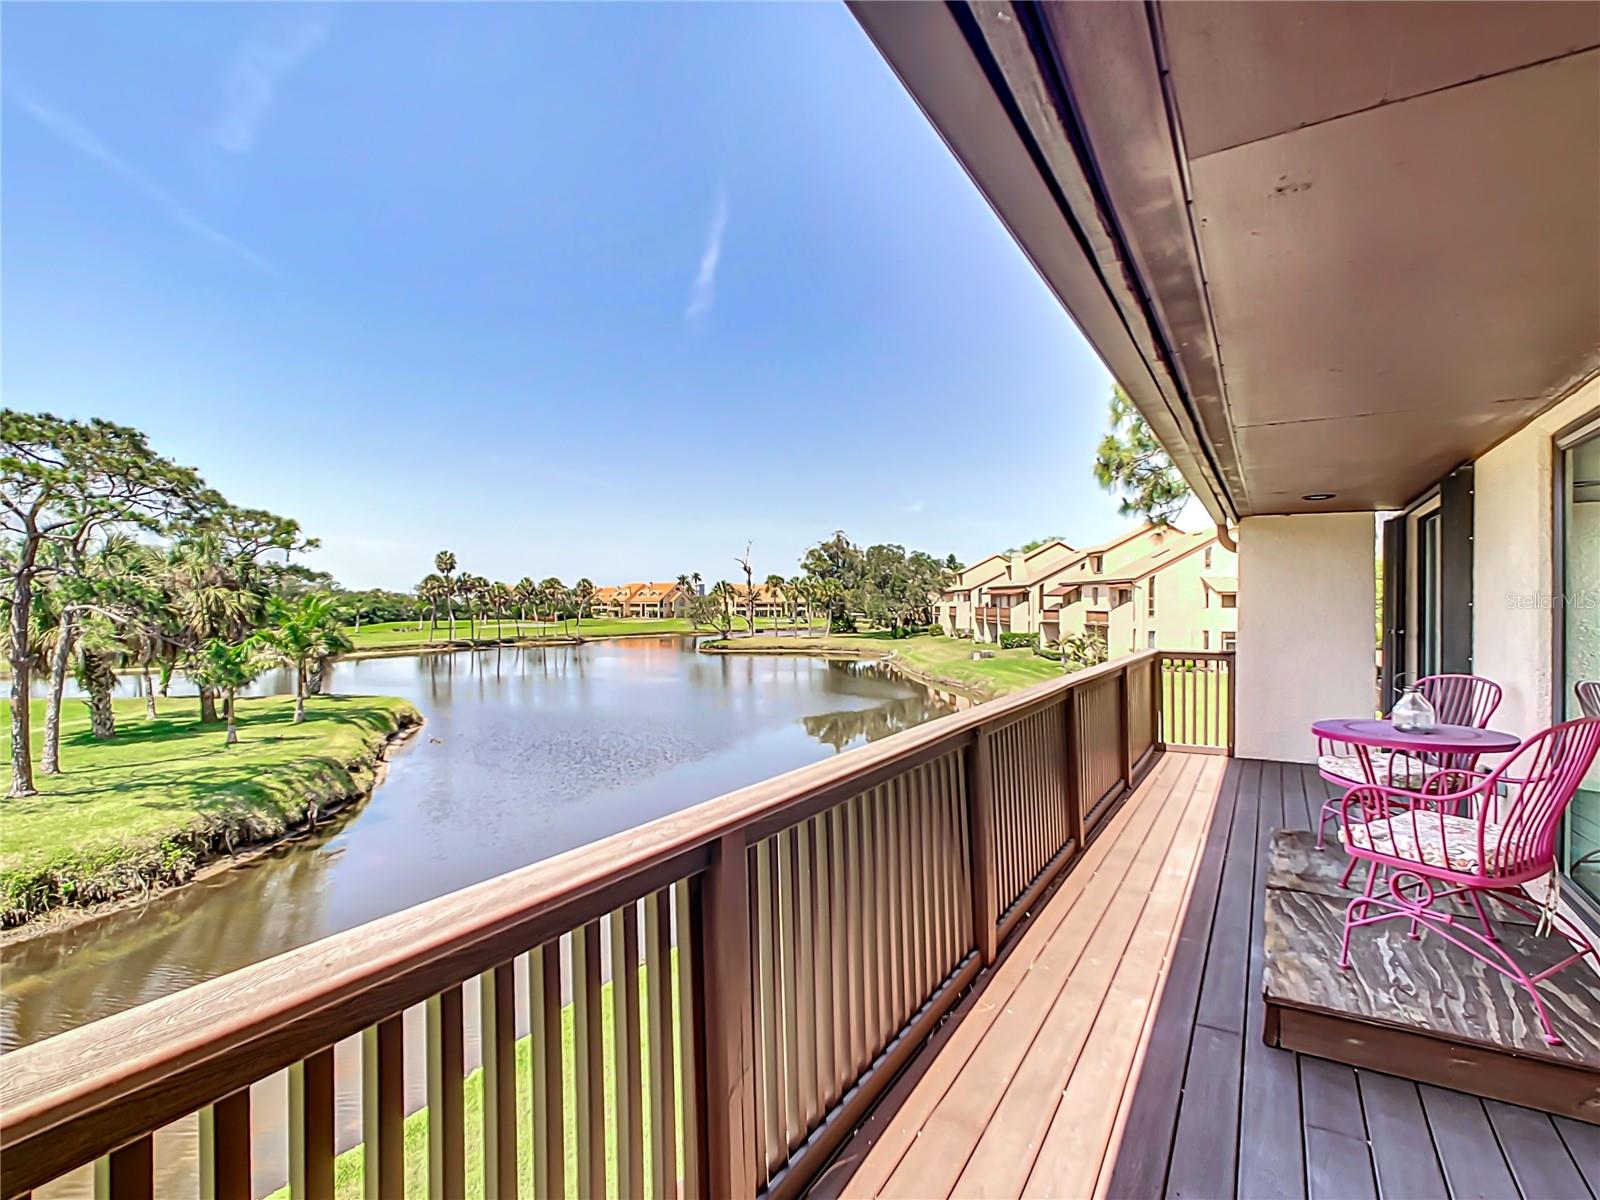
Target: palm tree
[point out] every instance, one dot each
(466, 587)
(555, 593)
(300, 633)
(526, 593)
(445, 563)
(499, 600)
(214, 595)
(726, 607)
(226, 667)
(778, 586)
(829, 593)
(432, 590)
(582, 597)
(795, 591)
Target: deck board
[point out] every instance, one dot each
(1270, 1134)
(1539, 1159)
(1116, 1047)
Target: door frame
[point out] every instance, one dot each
(1581, 430)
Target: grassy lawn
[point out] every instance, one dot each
(396, 634)
(163, 796)
(944, 659)
(348, 1169)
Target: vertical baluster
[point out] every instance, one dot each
(822, 923)
(807, 1012)
(688, 1020)
(545, 1090)
(625, 1042)
(843, 932)
(918, 863)
(872, 924)
(981, 832)
(311, 1127)
(589, 1051)
(916, 876)
(784, 941)
(769, 1075)
(128, 1173)
(497, 1018)
(895, 904)
(383, 1109)
(225, 1148)
(911, 920)
(857, 922)
(724, 1023)
(447, 1169)
(888, 961)
(950, 869)
(1194, 693)
(659, 1032)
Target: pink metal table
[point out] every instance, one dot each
(1437, 747)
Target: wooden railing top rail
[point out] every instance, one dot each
(139, 1069)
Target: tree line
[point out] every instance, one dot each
(480, 600)
(116, 558)
(839, 583)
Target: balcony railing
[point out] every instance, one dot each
(1198, 700)
(781, 952)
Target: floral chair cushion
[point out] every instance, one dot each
(1454, 846)
(1399, 771)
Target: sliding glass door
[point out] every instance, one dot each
(1578, 626)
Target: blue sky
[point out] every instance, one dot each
(570, 289)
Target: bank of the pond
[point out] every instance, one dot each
(941, 662)
(152, 806)
(403, 637)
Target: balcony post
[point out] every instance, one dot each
(1233, 700)
(1158, 740)
(726, 1022)
(1073, 791)
(1125, 728)
(980, 819)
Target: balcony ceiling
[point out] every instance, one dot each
(1345, 248)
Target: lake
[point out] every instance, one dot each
(526, 752)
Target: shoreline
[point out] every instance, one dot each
(405, 649)
(888, 657)
(221, 852)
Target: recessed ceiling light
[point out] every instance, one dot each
(1318, 496)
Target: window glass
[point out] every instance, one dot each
(1428, 550)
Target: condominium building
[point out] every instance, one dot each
(1151, 581)
(1182, 591)
(770, 602)
(649, 600)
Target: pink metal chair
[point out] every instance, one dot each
(1588, 697)
(1491, 834)
(1456, 699)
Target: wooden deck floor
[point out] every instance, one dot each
(1116, 1048)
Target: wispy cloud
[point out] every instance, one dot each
(82, 139)
(703, 292)
(915, 507)
(251, 84)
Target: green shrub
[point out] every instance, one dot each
(1017, 641)
(1052, 655)
(935, 630)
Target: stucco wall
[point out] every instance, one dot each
(1307, 611)
(1513, 567)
